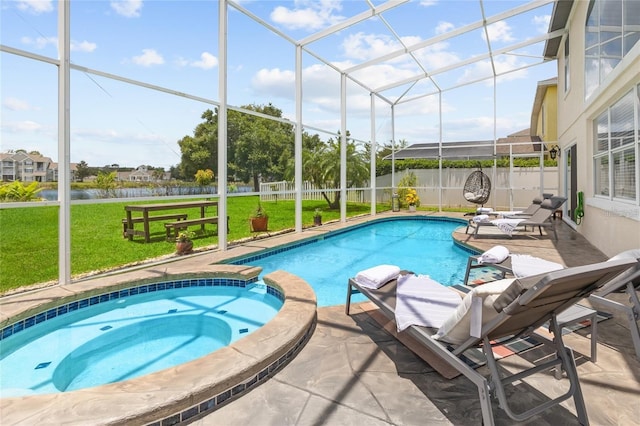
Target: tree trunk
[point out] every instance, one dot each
(256, 183)
(335, 204)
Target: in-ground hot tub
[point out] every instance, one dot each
(176, 393)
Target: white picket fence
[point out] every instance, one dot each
(511, 189)
(275, 191)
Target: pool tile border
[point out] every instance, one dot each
(75, 305)
(237, 390)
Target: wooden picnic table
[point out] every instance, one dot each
(146, 208)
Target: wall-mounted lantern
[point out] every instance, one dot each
(554, 152)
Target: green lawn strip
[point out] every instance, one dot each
(29, 243)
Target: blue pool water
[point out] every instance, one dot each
(129, 337)
(421, 245)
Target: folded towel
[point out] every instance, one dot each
(423, 301)
(481, 210)
(507, 225)
(524, 265)
(495, 254)
(377, 276)
(481, 218)
(507, 214)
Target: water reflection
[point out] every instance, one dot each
(92, 194)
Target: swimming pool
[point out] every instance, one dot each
(420, 244)
(121, 335)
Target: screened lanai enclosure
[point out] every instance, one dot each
(289, 98)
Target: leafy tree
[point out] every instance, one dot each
(204, 177)
(262, 147)
(200, 151)
(82, 171)
(158, 173)
(106, 183)
(257, 147)
(321, 166)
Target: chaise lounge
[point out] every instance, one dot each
(540, 219)
(629, 283)
(508, 308)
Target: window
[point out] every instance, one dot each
(616, 147)
(611, 30)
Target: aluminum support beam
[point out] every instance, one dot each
(64, 142)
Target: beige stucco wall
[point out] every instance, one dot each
(609, 225)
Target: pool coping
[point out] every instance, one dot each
(181, 392)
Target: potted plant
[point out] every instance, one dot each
(259, 220)
(317, 217)
(184, 245)
(412, 199)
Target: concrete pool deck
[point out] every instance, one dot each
(352, 372)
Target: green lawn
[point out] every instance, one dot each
(29, 243)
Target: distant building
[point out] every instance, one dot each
(519, 143)
(142, 174)
(27, 167)
(544, 114)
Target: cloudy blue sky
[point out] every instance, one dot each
(174, 45)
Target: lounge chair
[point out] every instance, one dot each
(517, 265)
(505, 308)
(522, 265)
(629, 282)
(533, 207)
(540, 219)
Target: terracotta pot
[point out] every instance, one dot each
(184, 247)
(259, 224)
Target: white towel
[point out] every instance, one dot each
(495, 254)
(481, 218)
(524, 265)
(377, 276)
(481, 210)
(423, 301)
(507, 225)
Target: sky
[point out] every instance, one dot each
(174, 45)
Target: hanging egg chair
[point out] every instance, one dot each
(477, 188)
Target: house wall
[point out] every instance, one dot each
(550, 102)
(609, 225)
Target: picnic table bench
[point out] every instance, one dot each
(145, 218)
(183, 224)
(125, 234)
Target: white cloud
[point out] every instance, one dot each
(206, 62)
(148, 58)
(275, 82)
(502, 63)
(83, 46)
(499, 31)
(362, 47)
(15, 104)
(21, 126)
(42, 42)
(542, 23)
(127, 8)
(444, 27)
(308, 14)
(35, 6)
